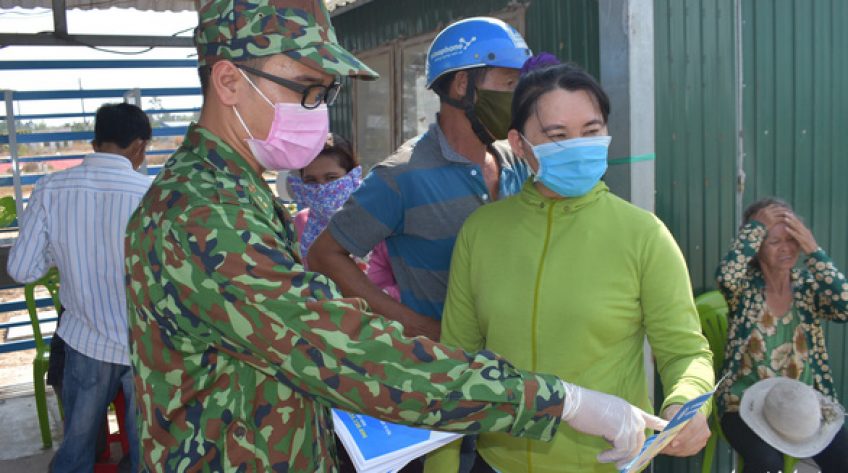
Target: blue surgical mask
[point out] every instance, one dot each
(571, 168)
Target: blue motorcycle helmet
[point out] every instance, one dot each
(475, 42)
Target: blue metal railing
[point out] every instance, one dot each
(150, 111)
(20, 345)
(25, 138)
(29, 179)
(18, 179)
(102, 93)
(12, 306)
(65, 157)
(98, 64)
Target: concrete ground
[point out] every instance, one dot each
(21, 449)
(20, 436)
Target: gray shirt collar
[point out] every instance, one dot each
(450, 154)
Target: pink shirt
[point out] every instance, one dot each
(379, 268)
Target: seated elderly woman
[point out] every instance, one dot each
(775, 330)
(566, 277)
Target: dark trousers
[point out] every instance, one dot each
(480, 466)
(760, 457)
(56, 364)
(56, 374)
(346, 464)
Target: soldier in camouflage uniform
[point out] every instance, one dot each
(238, 352)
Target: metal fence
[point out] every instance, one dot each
(14, 139)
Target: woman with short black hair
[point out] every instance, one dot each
(567, 278)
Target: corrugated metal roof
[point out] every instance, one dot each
(334, 4)
(154, 5)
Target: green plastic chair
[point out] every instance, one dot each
(712, 310)
(8, 212)
(42, 351)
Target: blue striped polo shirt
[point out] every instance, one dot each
(417, 200)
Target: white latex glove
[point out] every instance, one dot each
(617, 421)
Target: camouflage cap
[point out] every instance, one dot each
(301, 29)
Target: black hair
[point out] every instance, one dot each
(441, 86)
(538, 82)
(205, 72)
(340, 149)
(754, 208)
(121, 124)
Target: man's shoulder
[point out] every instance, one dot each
(185, 168)
(83, 172)
(58, 176)
(420, 152)
(136, 177)
(187, 180)
(48, 181)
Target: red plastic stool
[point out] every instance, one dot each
(103, 465)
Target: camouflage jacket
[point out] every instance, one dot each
(239, 353)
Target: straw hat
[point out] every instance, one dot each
(791, 416)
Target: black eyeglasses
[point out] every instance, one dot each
(311, 95)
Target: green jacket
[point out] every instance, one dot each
(239, 353)
(572, 287)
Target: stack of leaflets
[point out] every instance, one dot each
(376, 446)
(655, 443)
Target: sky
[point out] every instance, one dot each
(112, 21)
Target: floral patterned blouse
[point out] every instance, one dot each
(761, 345)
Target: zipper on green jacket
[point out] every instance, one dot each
(535, 315)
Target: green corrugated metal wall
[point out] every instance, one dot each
(695, 146)
(568, 28)
(695, 138)
(795, 113)
(796, 117)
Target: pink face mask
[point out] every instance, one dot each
(296, 136)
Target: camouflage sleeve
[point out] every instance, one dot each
(831, 287)
(732, 273)
(239, 289)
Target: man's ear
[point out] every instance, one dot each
(459, 85)
(136, 152)
(226, 81)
